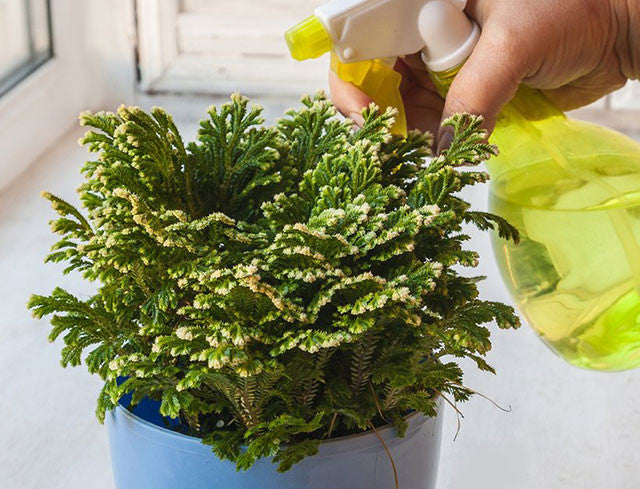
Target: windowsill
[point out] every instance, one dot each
(52, 440)
(50, 436)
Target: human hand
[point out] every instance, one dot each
(576, 51)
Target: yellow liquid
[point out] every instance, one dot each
(576, 272)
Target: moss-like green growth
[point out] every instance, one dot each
(274, 286)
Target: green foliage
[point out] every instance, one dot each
(297, 282)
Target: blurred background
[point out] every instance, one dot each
(566, 428)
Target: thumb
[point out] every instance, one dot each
(487, 81)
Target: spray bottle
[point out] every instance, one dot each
(570, 187)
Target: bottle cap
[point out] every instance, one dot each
(449, 35)
(308, 39)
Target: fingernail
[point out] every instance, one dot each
(446, 138)
(357, 119)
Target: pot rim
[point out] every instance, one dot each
(386, 432)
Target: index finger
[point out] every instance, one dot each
(348, 98)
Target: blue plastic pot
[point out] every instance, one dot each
(145, 455)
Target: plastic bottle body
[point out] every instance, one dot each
(573, 191)
(574, 273)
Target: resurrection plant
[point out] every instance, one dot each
(274, 286)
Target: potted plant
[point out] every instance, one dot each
(272, 294)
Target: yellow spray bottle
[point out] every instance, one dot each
(571, 188)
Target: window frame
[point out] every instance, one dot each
(21, 72)
(88, 37)
(157, 42)
(166, 69)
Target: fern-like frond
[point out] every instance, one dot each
(273, 285)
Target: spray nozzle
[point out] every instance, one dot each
(366, 36)
(308, 39)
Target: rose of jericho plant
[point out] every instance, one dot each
(274, 286)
